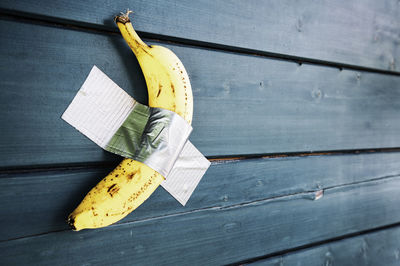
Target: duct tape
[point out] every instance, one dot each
(153, 136)
(115, 121)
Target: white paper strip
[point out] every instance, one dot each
(186, 174)
(101, 107)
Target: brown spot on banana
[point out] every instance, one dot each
(142, 189)
(173, 88)
(131, 175)
(113, 189)
(159, 90)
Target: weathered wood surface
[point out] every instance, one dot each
(378, 248)
(39, 203)
(243, 104)
(219, 235)
(355, 32)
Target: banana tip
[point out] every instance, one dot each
(71, 223)
(123, 17)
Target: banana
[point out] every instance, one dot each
(132, 182)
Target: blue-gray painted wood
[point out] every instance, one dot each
(38, 203)
(378, 248)
(215, 236)
(243, 104)
(355, 32)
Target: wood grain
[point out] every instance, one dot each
(377, 248)
(243, 104)
(39, 203)
(355, 32)
(246, 103)
(219, 235)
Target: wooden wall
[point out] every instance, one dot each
(297, 105)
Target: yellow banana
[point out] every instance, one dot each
(132, 182)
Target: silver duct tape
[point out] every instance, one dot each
(163, 139)
(153, 136)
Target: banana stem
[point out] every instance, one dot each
(123, 21)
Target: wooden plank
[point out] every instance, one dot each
(243, 104)
(219, 235)
(378, 248)
(39, 203)
(355, 32)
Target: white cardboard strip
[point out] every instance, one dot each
(186, 174)
(101, 107)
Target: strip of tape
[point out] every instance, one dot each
(153, 136)
(107, 115)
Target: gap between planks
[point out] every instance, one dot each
(91, 27)
(315, 244)
(215, 160)
(311, 195)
